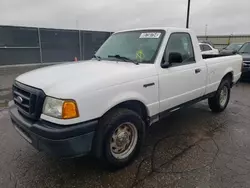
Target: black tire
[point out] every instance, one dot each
(108, 124)
(214, 102)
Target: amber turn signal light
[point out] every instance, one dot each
(69, 110)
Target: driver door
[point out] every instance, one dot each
(183, 81)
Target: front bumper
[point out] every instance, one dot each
(60, 141)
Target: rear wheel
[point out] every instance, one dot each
(219, 102)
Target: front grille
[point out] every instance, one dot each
(28, 100)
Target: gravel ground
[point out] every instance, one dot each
(191, 148)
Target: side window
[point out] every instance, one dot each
(206, 48)
(180, 43)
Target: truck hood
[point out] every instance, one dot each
(65, 79)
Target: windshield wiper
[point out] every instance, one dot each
(97, 57)
(124, 58)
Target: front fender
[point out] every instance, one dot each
(95, 104)
(123, 97)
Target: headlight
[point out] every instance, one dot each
(62, 109)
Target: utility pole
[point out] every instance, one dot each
(206, 31)
(188, 10)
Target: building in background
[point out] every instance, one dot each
(221, 41)
(29, 45)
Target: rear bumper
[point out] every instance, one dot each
(56, 140)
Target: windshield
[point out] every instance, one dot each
(138, 46)
(245, 48)
(233, 46)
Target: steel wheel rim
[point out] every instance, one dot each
(123, 140)
(223, 96)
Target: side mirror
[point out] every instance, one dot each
(234, 52)
(175, 57)
(165, 65)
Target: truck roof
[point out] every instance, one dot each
(176, 29)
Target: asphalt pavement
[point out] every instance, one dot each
(192, 147)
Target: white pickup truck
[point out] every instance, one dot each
(207, 49)
(104, 106)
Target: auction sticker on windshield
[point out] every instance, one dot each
(150, 35)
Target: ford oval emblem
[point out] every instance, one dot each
(20, 99)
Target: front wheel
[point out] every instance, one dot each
(124, 132)
(219, 102)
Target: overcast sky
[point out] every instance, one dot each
(221, 16)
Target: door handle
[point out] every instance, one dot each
(149, 84)
(197, 71)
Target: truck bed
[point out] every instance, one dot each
(218, 66)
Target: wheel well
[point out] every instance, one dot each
(229, 76)
(136, 106)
